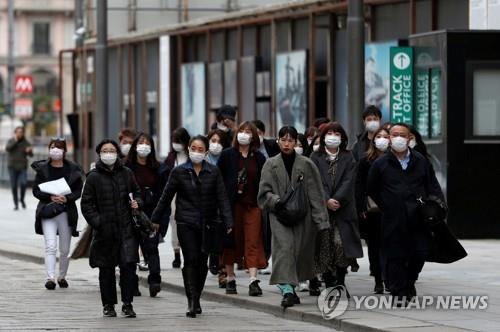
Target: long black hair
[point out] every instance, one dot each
(420, 147)
(181, 135)
(151, 160)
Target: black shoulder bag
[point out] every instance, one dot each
(294, 204)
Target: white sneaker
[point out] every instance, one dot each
(304, 286)
(267, 270)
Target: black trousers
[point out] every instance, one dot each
(151, 254)
(107, 283)
(18, 179)
(400, 273)
(190, 240)
(373, 238)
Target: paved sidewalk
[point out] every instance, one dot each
(478, 274)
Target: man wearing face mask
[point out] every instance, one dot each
(371, 120)
(125, 139)
(268, 147)
(226, 121)
(395, 181)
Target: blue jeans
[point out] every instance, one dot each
(18, 179)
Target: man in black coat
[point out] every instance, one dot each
(395, 182)
(371, 120)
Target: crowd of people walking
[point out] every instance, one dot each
(237, 199)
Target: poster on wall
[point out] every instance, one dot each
(193, 97)
(291, 90)
(377, 60)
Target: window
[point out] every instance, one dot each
(486, 102)
(41, 38)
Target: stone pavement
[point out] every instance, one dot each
(477, 274)
(26, 305)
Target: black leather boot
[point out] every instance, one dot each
(201, 277)
(189, 275)
(341, 272)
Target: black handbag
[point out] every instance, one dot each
(432, 211)
(143, 227)
(293, 205)
(52, 210)
(213, 237)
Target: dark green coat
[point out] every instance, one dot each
(17, 156)
(293, 248)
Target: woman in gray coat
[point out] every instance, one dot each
(338, 173)
(293, 247)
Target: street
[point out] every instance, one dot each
(27, 305)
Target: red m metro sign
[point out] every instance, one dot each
(24, 84)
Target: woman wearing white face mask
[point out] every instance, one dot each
(368, 212)
(57, 214)
(201, 201)
(241, 168)
(337, 168)
(109, 196)
(217, 140)
(143, 163)
(177, 156)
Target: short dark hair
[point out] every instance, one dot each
(151, 160)
(181, 135)
(288, 130)
(255, 143)
(226, 112)
(201, 138)
(127, 132)
(371, 110)
(19, 127)
(260, 125)
(337, 128)
(401, 124)
(320, 121)
(109, 141)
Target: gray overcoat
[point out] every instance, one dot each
(293, 248)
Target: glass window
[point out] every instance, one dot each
(486, 102)
(435, 103)
(41, 38)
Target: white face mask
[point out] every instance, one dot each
(215, 148)
(56, 153)
(372, 126)
(412, 144)
(399, 144)
(332, 141)
(196, 157)
(178, 147)
(244, 138)
(299, 150)
(125, 148)
(143, 150)
(108, 158)
(382, 143)
(222, 127)
(309, 141)
(315, 147)
(261, 139)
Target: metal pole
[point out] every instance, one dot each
(10, 59)
(79, 22)
(355, 66)
(101, 73)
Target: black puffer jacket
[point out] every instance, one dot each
(105, 206)
(199, 199)
(73, 176)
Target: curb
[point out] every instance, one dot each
(275, 310)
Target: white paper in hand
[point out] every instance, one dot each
(56, 187)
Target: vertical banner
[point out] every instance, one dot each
(164, 116)
(436, 102)
(401, 92)
(422, 101)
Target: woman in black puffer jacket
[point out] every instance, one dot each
(201, 201)
(108, 209)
